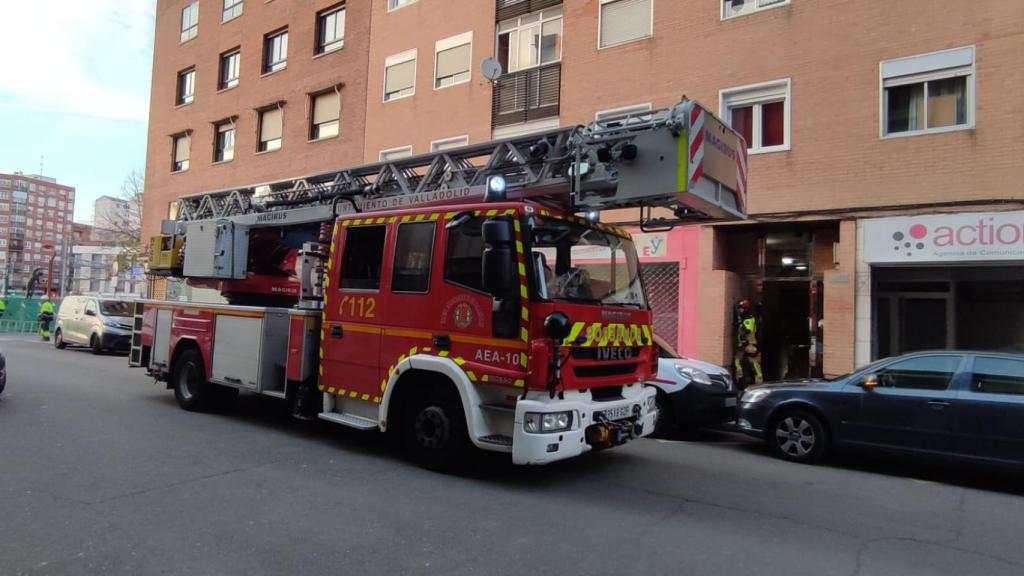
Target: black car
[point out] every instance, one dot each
(969, 405)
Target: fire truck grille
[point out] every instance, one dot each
(604, 370)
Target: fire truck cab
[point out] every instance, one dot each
(525, 320)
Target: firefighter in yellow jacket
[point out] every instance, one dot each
(45, 319)
(748, 354)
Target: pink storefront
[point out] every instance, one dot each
(670, 263)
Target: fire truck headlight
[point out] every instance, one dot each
(539, 422)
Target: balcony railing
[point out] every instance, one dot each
(527, 95)
(506, 9)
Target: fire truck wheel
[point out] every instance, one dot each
(435, 430)
(191, 389)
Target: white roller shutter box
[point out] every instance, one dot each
(624, 21)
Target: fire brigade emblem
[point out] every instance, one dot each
(462, 315)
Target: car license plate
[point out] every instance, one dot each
(617, 413)
(730, 402)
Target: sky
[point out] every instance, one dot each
(75, 91)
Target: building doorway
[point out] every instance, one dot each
(791, 329)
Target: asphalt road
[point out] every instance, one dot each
(101, 473)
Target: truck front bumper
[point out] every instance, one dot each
(595, 424)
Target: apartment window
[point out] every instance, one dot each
(449, 143)
(270, 129)
(326, 110)
(5, 206)
(186, 86)
(189, 21)
(396, 4)
(230, 64)
(622, 21)
(928, 93)
(530, 40)
(224, 141)
(182, 144)
(453, 60)
(392, 154)
(400, 75)
(330, 29)
(232, 10)
(275, 51)
(760, 113)
(733, 8)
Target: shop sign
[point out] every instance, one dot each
(965, 237)
(654, 245)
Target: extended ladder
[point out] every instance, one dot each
(682, 158)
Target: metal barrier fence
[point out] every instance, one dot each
(22, 315)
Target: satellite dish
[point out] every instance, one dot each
(491, 69)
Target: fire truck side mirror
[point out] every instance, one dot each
(499, 261)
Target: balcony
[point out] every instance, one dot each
(527, 95)
(506, 9)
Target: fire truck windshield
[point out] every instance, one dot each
(579, 263)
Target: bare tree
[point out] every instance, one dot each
(120, 222)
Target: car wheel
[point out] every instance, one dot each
(665, 422)
(96, 345)
(58, 340)
(434, 430)
(191, 389)
(798, 436)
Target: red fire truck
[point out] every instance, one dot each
(463, 298)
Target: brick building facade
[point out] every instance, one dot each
(854, 111)
(35, 225)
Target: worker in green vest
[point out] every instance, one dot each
(3, 307)
(747, 357)
(45, 318)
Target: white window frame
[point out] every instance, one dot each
(461, 140)
(394, 60)
(448, 44)
(760, 93)
(399, 4)
(761, 6)
(228, 13)
(386, 151)
(192, 31)
(181, 98)
(926, 67)
(338, 43)
(612, 112)
(519, 26)
(265, 69)
(600, 15)
(221, 84)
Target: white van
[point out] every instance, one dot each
(99, 323)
